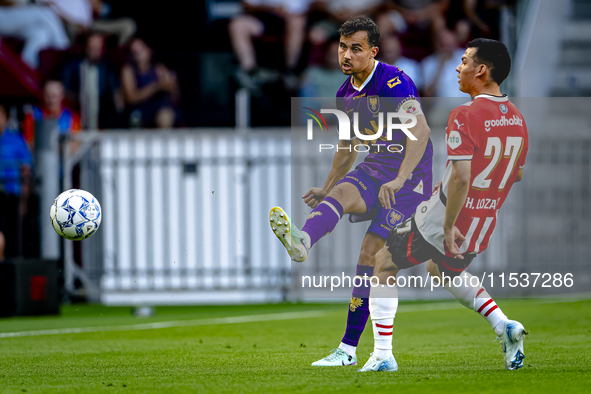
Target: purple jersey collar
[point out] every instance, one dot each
(360, 88)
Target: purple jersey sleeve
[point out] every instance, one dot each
(402, 90)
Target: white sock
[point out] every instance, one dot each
(478, 299)
(383, 311)
(350, 350)
(488, 308)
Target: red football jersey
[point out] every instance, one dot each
(491, 133)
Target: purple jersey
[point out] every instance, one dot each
(387, 89)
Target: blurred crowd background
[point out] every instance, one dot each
(97, 65)
(85, 66)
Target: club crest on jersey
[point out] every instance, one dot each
(393, 82)
(503, 108)
(454, 139)
(373, 104)
(394, 217)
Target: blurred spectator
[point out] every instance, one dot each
(339, 11)
(75, 14)
(16, 163)
(455, 19)
(149, 89)
(68, 121)
(439, 69)
(484, 15)
(39, 26)
(391, 53)
(323, 80)
(264, 17)
(333, 13)
(416, 21)
(91, 84)
(123, 28)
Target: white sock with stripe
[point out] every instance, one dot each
(478, 299)
(383, 311)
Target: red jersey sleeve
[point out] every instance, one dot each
(460, 132)
(524, 153)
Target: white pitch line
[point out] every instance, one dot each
(216, 321)
(170, 324)
(432, 306)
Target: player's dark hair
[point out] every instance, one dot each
(495, 55)
(361, 23)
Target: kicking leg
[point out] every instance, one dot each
(344, 198)
(472, 295)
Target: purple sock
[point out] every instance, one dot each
(359, 308)
(323, 219)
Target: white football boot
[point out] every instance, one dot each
(290, 236)
(336, 358)
(375, 364)
(512, 344)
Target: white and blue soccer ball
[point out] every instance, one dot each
(75, 214)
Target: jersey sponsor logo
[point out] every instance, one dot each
(454, 139)
(503, 108)
(373, 104)
(457, 123)
(393, 82)
(503, 121)
(358, 181)
(394, 217)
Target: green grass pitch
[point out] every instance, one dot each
(440, 350)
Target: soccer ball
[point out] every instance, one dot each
(75, 214)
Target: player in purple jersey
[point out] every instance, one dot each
(386, 188)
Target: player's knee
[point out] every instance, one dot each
(367, 257)
(382, 261)
(348, 196)
(337, 193)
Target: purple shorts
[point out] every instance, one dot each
(382, 219)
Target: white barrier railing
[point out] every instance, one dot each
(185, 216)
